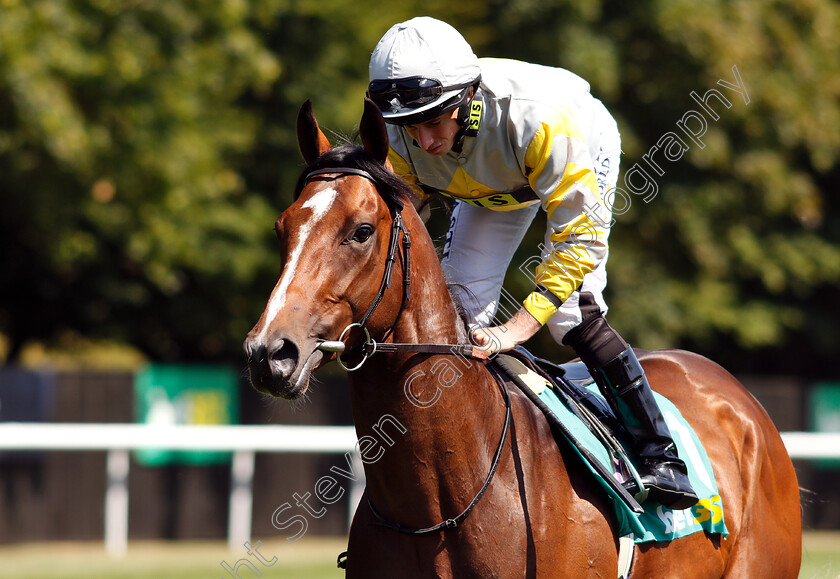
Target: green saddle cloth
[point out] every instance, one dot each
(657, 523)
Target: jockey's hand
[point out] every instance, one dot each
(515, 331)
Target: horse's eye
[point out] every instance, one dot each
(363, 233)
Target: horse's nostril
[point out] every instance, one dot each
(254, 351)
(283, 360)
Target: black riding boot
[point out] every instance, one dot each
(663, 473)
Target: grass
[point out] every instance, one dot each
(305, 559)
(820, 555)
(309, 558)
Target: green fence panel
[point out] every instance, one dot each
(825, 414)
(185, 394)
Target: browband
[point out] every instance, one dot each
(340, 171)
(351, 171)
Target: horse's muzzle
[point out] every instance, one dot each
(275, 368)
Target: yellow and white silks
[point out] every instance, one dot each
(538, 138)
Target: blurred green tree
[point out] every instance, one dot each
(145, 150)
(124, 211)
(731, 250)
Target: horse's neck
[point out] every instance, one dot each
(427, 414)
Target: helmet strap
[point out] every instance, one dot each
(463, 120)
(459, 136)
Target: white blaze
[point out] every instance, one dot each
(319, 203)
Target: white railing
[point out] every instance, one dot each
(244, 441)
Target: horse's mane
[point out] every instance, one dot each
(355, 157)
(459, 293)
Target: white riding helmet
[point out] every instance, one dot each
(421, 69)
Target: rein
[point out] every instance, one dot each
(452, 523)
(370, 346)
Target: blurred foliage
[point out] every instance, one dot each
(737, 255)
(146, 148)
(124, 211)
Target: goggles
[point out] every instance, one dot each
(410, 92)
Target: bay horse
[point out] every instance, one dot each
(440, 417)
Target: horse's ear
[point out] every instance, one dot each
(373, 132)
(312, 142)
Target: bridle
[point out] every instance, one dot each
(370, 346)
(397, 227)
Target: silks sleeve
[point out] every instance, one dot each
(561, 172)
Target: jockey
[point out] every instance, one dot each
(505, 138)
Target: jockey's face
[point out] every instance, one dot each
(436, 136)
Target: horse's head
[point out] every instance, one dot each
(334, 241)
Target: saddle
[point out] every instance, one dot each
(576, 410)
(568, 382)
